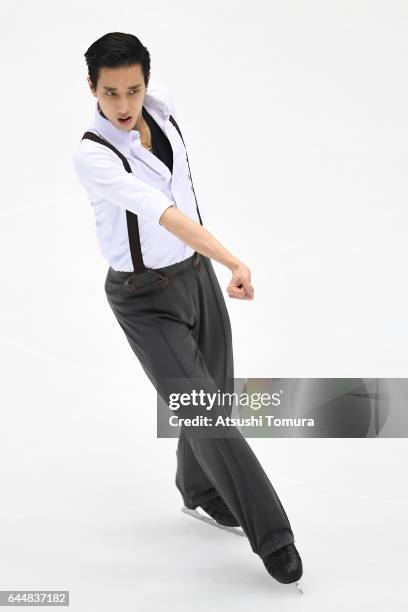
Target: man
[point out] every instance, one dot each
(163, 290)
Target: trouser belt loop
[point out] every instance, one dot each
(196, 261)
(163, 278)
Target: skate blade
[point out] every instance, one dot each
(299, 588)
(195, 514)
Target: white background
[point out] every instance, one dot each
(294, 115)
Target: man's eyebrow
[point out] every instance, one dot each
(114, 88)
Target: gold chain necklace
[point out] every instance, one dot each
(148, 141)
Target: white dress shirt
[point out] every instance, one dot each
(148, 191)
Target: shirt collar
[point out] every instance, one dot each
(154, 100)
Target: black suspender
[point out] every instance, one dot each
(131, 218)
(172, 119)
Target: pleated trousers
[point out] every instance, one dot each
(176, 322)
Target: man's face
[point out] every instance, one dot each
(120, 93)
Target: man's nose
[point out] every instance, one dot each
(123, 110)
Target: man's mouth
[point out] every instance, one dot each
(126, 119)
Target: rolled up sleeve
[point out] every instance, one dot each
(103, 174)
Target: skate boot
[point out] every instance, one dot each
(221, 515)
(219, 511)
(284, 564)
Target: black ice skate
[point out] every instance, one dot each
(221, 515)
(285, 565)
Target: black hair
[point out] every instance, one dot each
(114, 50)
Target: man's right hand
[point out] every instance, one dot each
(240, 285)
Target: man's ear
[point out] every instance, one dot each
(91, 86)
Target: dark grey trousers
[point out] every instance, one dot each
(176, 322)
